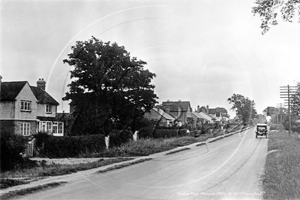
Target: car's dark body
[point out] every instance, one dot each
(261, 130)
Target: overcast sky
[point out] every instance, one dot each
(202, 51)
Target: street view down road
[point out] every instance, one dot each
(229, 168)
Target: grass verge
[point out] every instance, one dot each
(123, 165)
(282, 170)
(21, 192)
(17, 177)
(145, 147)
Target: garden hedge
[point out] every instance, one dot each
(12, 147)
(68, 146)
(168, 133)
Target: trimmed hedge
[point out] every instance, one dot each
(69, 146)
(168, 133)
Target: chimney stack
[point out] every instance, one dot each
(207, 109)
(41, 84)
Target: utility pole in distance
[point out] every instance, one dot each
(286, 93)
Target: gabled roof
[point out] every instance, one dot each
(10, 90)
(43, 97)
(175, 105)
(164, 114)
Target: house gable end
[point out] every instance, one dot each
(10, 90)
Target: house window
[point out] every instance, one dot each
(48, 108)
(25, 129)
(58, 127)
(49, 127)
(46, 126)
(25, 105)
(43, 128)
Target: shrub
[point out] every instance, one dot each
(12, 147)
(118, 137)
(146, 128)
(296, 129)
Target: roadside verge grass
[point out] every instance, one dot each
(282, 170)
(21, 192)
(124, 165)
(23, 176)
(145, 147)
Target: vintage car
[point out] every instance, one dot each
(261, 130)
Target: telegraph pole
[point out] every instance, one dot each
(286, 93)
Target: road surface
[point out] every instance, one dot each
(225, 169)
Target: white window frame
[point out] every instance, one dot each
(46, 126)
(25, 128)
(25, 105)
(54, 128)
(48, 108)
(49, 127)
(58, 128)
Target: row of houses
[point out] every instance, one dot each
(171, 113)
(26, 109)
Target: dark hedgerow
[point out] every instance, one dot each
(68, 146)
(168, 133)
(12, 147)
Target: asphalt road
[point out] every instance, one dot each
(225, 169)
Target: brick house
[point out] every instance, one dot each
(26, 109)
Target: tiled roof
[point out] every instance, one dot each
(43, 97)
(10, 90)
(64, 116)
(174, 105)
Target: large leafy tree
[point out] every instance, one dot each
(295, 103)
(268, 10)
(109, 89)
(244, 107)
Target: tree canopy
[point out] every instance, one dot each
(108, 88)
(244, 107)
(268, 10)
(295, 103)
